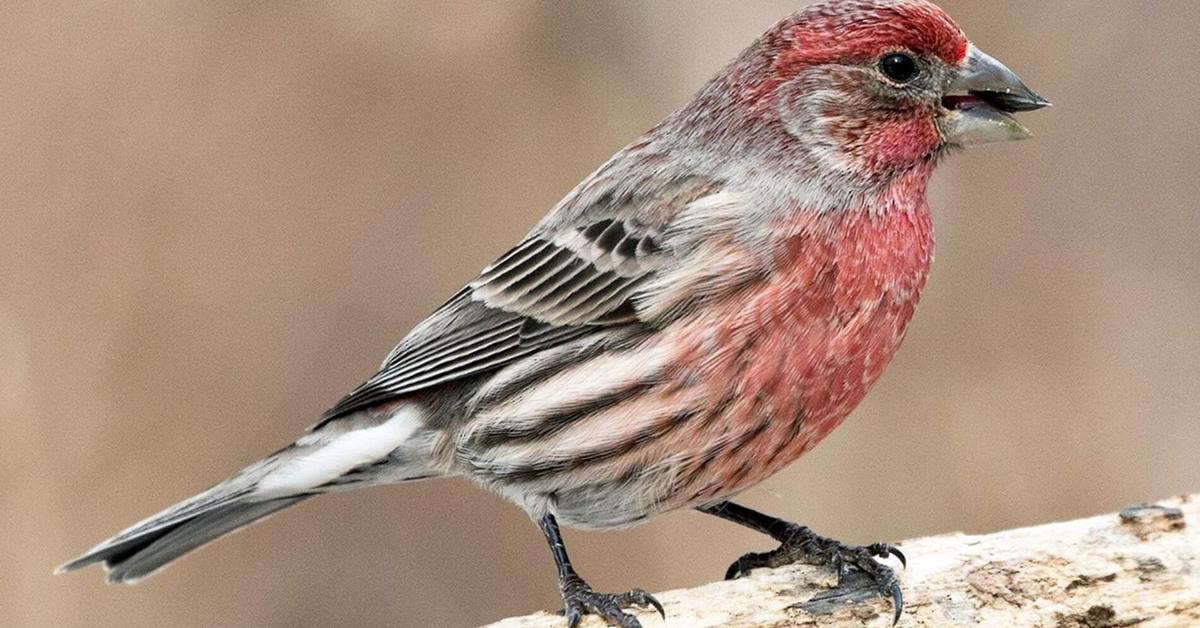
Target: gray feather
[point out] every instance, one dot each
(578, 277)
(141, 550)
(141, 560)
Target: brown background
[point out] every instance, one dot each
(216, 218)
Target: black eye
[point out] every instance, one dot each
(899, 67)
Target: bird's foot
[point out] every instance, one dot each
(579, 599)
(802, 545)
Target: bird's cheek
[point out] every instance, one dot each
(898, 144)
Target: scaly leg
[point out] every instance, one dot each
(579, 598)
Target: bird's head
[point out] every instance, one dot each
(877, 87)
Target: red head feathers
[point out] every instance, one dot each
(859, 31)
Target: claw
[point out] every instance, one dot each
(885, 551)
(897, 602)
(580, 600)
(805, 546)
(640, 597)
(746, 563)
(734, 570)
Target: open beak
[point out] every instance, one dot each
(980, 101)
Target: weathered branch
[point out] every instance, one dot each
(1140, 567)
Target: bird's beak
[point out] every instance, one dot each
(979, 102)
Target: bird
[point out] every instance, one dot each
(696, 314)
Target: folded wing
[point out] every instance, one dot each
(560, 284)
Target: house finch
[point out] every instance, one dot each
(698, 313)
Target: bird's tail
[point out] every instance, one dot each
(341, 456)
(148, 546)
(159, 539)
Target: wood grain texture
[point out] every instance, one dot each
(1139, 567)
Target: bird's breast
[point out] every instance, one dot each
(800, 350)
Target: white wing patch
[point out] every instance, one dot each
(333, 457)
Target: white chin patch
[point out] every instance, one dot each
(337, 456)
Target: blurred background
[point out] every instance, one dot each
(217, 217)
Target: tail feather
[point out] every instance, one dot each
(162, 547)
(122, 546)
(148, 546)
(359, 451)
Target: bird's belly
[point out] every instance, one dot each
(791, 387)
(697, 413)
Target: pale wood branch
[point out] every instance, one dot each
(1139, 567)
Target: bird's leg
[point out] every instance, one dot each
(578, 597)
(798, 544)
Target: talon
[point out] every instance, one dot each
(897, 602)
(885, 551)
(806, 546)
(581, 600)
(748, 562)
(641, 598)
(799, 544)
(734, 570)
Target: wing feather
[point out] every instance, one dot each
(560, 284)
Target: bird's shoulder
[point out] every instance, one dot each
(578, 272)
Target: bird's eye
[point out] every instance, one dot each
(899, 67)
